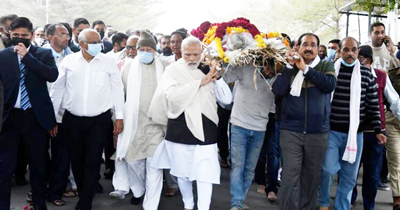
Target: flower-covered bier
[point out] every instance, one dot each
(239, 42)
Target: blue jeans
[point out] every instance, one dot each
(245, 148)
(347, 172)
(371, 160)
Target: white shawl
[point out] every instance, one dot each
(131, 109)
(298, 80)
(355, 99)
(178, 92)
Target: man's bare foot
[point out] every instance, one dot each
(261, 189)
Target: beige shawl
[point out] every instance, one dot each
(178, 92)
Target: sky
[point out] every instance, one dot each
(190, 13)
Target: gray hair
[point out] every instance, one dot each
(83, 34)
(191, 40)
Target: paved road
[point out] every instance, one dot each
(220, 200)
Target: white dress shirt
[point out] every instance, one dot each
(88, 89)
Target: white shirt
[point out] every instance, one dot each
(58, 58)
(88, 89)
(18, 101)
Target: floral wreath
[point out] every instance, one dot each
(208, 33)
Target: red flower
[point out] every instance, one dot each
(205, 26)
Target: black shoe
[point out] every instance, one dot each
(136, 201)
(99, 189)
(78, 206)
(383, 187)
(108, 174)
(40, 207)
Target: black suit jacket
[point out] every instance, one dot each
(40, 69)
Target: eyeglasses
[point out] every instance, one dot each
(131, 47)
(63, 35)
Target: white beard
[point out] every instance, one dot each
(191, 65)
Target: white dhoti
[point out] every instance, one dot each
(189, 163)
(140, 177)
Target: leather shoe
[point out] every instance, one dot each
(40, 207)
(98, 188)
(108, 174)
(136, 201)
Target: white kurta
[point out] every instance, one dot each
(196, 162)
(179, 92)
(148, 134)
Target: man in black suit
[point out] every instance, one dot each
(28, 112)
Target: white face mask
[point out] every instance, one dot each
(39, 41)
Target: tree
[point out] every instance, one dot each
(377, 6)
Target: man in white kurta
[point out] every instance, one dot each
(136, 145)
(185, 102)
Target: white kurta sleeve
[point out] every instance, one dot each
(392, 97)
(222, 92)
(117, 91)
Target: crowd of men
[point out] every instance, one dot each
(148, 101)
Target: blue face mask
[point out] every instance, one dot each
(145, 57)
(94, 49)
(55, 54)
(347, 64)
(331, 54)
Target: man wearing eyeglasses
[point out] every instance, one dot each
(130, 51)
(58, 37)
(27, 110)
(89, 86)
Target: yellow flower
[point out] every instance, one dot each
(220, 50)
(226, 59)
(263, 35)
(260, 41)
(210, 35)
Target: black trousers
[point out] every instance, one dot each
(109, 150)
(59, 165)
(86, 137)
(22, 162)
(223, 115)
(22, 126)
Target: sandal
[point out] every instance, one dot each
(71, 193)
(58, 202)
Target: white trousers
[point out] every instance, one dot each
(72, 179)
(141, 178)
(204, 193)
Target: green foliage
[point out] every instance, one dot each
(377, 6)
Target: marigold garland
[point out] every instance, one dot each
(220, 50)
(208, 33)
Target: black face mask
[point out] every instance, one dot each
(101, 34)
(16, 41)
(121, 48)
(167, 51)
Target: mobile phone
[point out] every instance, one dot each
(386, 41)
